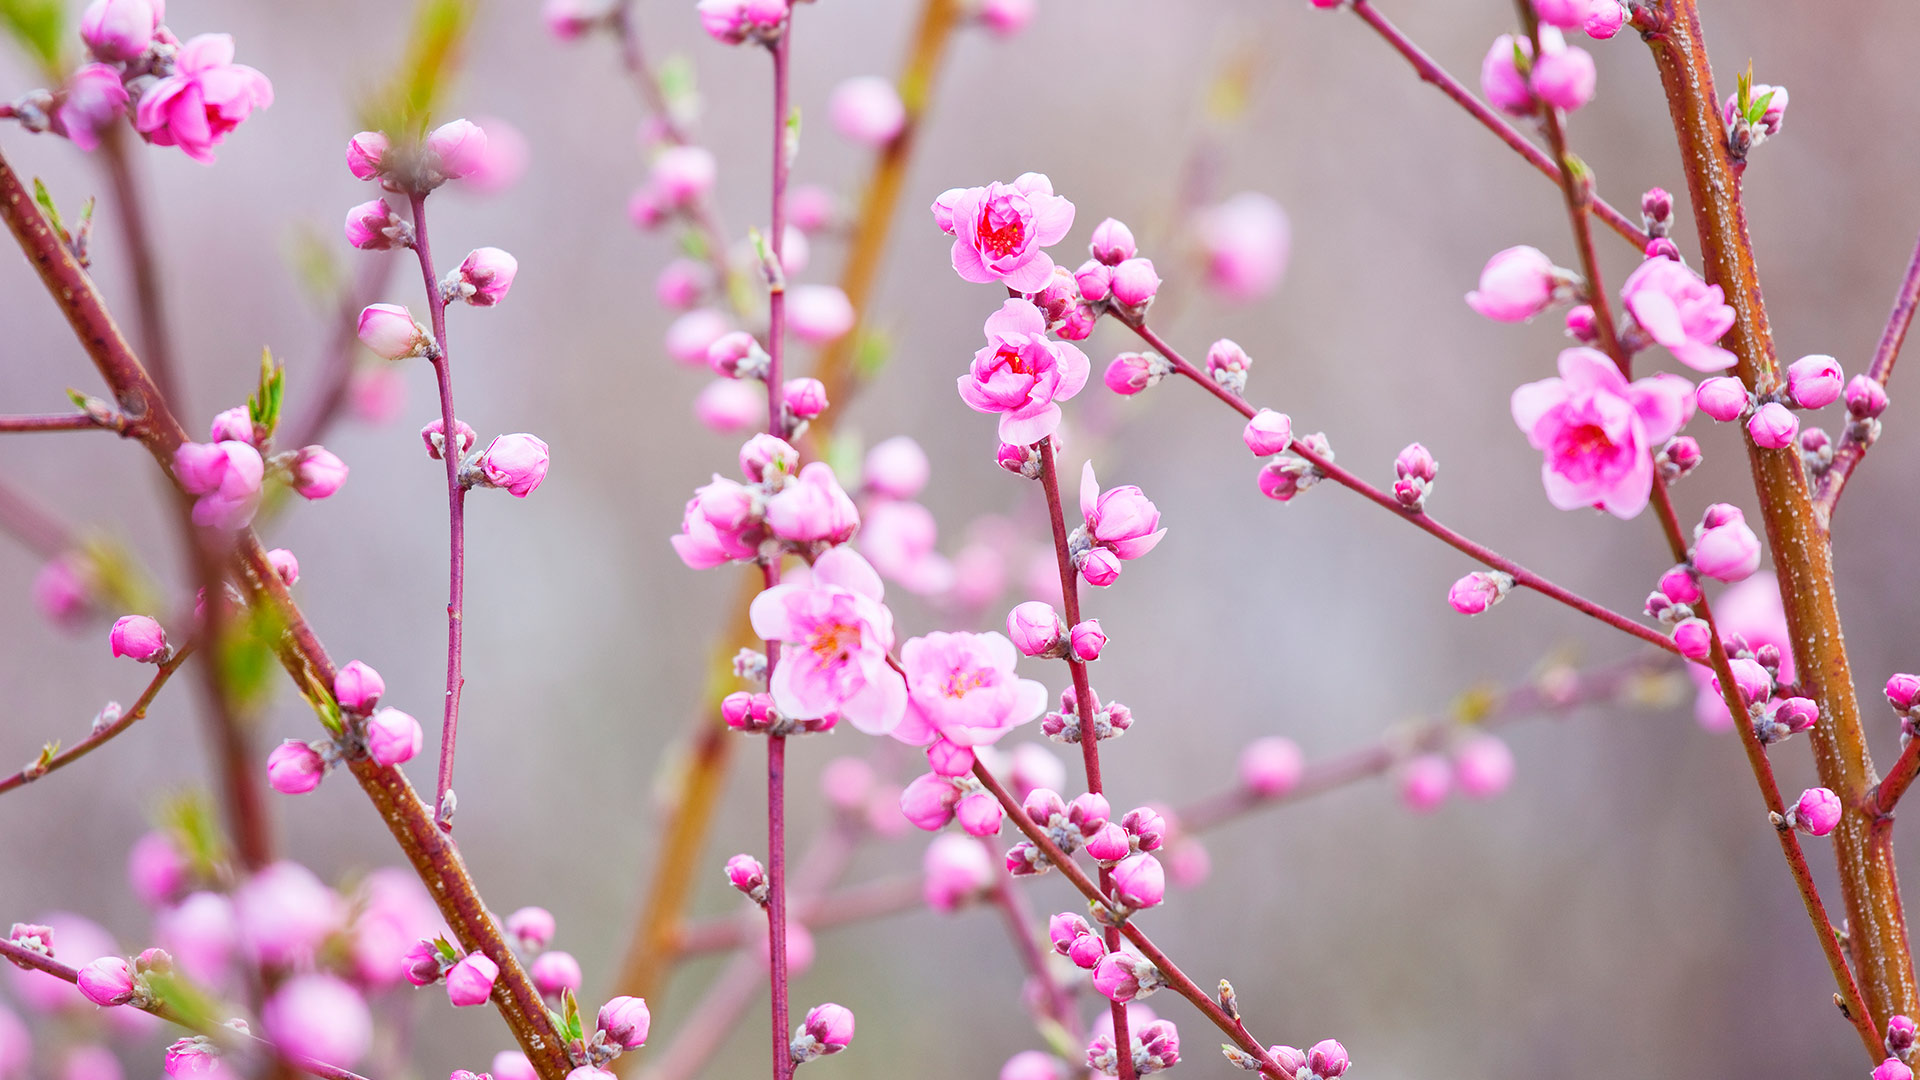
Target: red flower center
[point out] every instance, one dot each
(1004, 238)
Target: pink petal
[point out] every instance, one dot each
(1016, 316)
(1052, 219)
(966, 263)
(1026, 430)
(1032, 276)
(772, 614)
(1655, 313)
(1074, 369)
(844, 567)
(880, 705)
(1089, 491)
(1534, 400)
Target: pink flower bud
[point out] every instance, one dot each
(1478, 591)
(1814, 381)
(1117, 974)
(980, 814)
(1866, 398)
(1134, 282)
(358, 687)
(367, 225)
(955, 870)
(1064, 929)
(1088, 640)
(1903, 691)
(1112, 242)
(1482, 766)
(1892, 1069)
(949, 758)
(1290, 1059)
(1564, 78)
(867, 109)
(1816, 812)
(285, 566)
(818, 314)
(813, 508)
(1424, 783)
(434, 436)
(1515, 285)
(107, 981)
(552, 972)
(470, 982)
(1327, 1059)
(1722, 398)
(680, 284)
(1036, 629)
(364, 154)
(393, 737)
(737, 355)
(1132, 372)
(485, 276)
(232, 425)
(1087, 951)
(1094, 280)
(745, 873)
(319, 1017)
(732, 22)
(1753, 680)
(1604, 19)
(1268, 433)
(139, 638)
(764, 456)
(1901, 1033)
(1797, 714)
(155, 869)
(805, 398)
(830, 1027)
(683, 175)
(513, 1065)
(517, 462)
(1680, 586)
(1501, 81)
(1089, 813)
(532, 927)
(1773, 426)
(1728, 552)
(1100, 568)
(1109, 843)
(120, 29)
(1581, 326)
(928, 802)
(1693, 638)
(1146, 826)
(294, 768)
(1079, 323)
(1139, 881)
(1270, 767)
(460, 146)
(625, 1020)
(422, 963)
(896, 468)
(390, 331)
(317, 473)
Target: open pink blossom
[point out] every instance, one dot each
(813, 508)
(1597, 430)
(1122, 520)
(1022, 374)
(1680, 311)
(962, 687)
(999, 230)
(717, 526)
(206, 97)
(834, 635)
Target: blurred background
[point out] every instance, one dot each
(1623, 901)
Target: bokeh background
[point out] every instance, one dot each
(1622, 906)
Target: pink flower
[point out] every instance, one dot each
(1022, 375)
(1036, 630)
(485, 276)
(286, 914)
(470, 982)
(827, 1030)
(357, 687)
(319, 1017)
(717, 526)
(1866, 397)
(732, 22)
(1327, 1059)
(206, 97)
(1597, 430)
(1268, 433)
(365, 152)
(1564, 77)
(139, 638)
(1816, 812)
(393, 737)
(896, 468)
(1723, 398)
(1750, 611)
(1112, 242)
(1246, 241)
(999, 230)
(1773, 426)
(962, 687)
(1424, 782)
(1134, 282)
(1121, 520)
(517, 462)
(107, 981)
(1087, 641)
(370, 226)
(1132, 372)
(1501, 81)
(1728, 551)
(954, 870)
(1271, 766)
(979, 814)
(191, 1057)
(458, 147)
(813, 508)
(1892, 1069)
(929, 801)
(867, 109)
(1139, 881)
(95, 97)
(835, 635)
(391, 332)
(120, 29)
(1482, 766)
(201, 933)
(294, 768)
(1515, 285)
(552, 972)
(317, 473)
(1814, 381)
(1680, 311)
(819, 313)
(227, 478)
(626, 1021)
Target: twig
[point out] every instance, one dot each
(1846, 456)
(59, 422)
(135, 713)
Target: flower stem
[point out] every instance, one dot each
(456, 518)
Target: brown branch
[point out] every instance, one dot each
(433, 855)
(85, 746)
(1862, 842)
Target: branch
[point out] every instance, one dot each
(61, 422)
(222, 1035)
(95, 739)
(1853, 446)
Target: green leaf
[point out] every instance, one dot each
(188, 820)
(44, 200)
(246, 658)
(1758, 110)
(406, 105)
(40, 28)
(263, 408)
(571, 1030)
(194, 1006)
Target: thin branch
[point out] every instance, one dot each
(60, 422)
(93, 741)
(220, 1034)
(1846, 456)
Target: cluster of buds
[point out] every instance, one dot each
(34, 937)
(1680, 456)
(1069, 825)
(1903, 693)
(1753, 114)
(1325, 1060)
(1656, 212)
(1290, 474)
(1413, 472)
(756, 714)
(1228, 363)
(116, 980)
(1115, 279)
(935, 799)
(1074, 938)
(828, 1029)
(1121, 524)
(1672, 601)
(1156, 1047)
(1110, 719)
(469, 977)
(452, 151)
(729, 521)
(1724, 546)
(1521, 84)
(736, 22)
(1019, 460)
